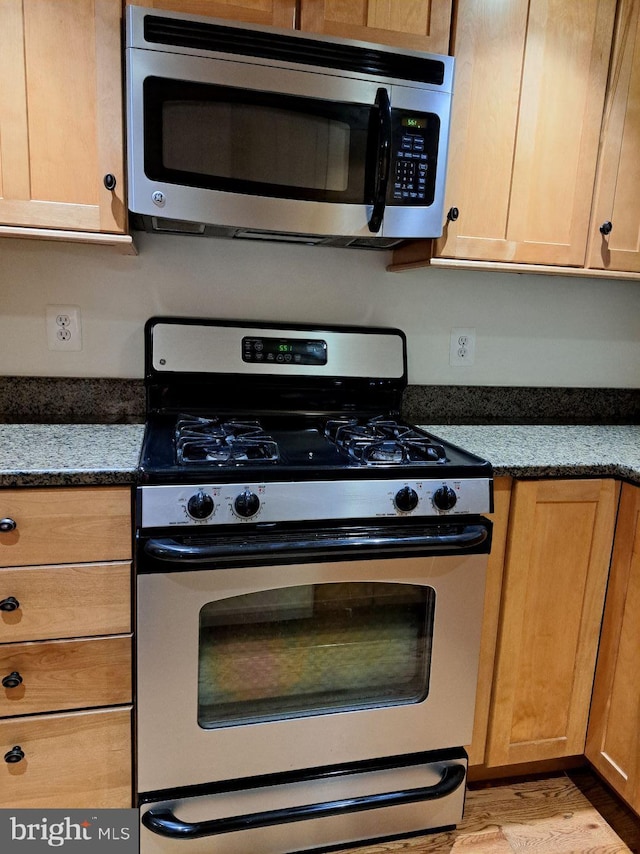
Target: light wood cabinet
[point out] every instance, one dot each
(617, 198)
(65, 644)
(71, 761)
(275, 13)
(411, 24)
(613, 740)
(529, 93)
(556, 569)
(61, 123)
(490, 619)
(66, 525)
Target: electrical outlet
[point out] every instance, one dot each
(462, 346)
(64, 330)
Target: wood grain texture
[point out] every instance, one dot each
(617, 197)
(66, 674)
(413, 24)
(61, 115)
(613, 740)
(276, 13)
(66, 601)
(66, 525)
(530, 86)
(73, 760)
(548, 816)
(558, 553)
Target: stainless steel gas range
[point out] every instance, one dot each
(310, 575)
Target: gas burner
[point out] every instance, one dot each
(218, 442)
(382, 441)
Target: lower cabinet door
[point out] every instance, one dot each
(613, 738)
(555, 577)
(67, 761)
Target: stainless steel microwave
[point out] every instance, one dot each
(246, 131)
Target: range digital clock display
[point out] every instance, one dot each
(284, 351)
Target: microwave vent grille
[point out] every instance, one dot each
(221, 39)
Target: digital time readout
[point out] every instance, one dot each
(414, 122)
(284, 351)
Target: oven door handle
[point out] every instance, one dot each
(161, 820)
(372, 541)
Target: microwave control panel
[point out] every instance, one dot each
(413, 159)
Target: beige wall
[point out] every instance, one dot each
(531, 330)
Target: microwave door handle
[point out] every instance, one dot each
(383, 159)
(164, 822)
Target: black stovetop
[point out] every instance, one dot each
(305, 449)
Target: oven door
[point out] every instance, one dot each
(249, 670)
(258, 147)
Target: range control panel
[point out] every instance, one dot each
(311, 501)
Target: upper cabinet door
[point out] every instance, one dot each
(412, 24)
(61, 115)
(275, 13)
(527, 108)
(615, 231)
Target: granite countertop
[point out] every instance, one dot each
(551, 451)
(101, 454)
(69, 454)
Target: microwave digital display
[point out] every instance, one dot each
(414, 122)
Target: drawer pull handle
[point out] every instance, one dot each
(7, 525)
(16, 754)
(9, 604)
(12, 680)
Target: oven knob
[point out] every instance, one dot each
(200, 505)
(406, 499)
(246, 504)
(444, 498)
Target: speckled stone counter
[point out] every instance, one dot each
(69, 454)
(551, 451)
(86, 454)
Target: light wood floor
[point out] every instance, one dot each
(546, 816)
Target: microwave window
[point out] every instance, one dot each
(227, 140)
(257, 143)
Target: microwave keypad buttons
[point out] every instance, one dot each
(410, 169)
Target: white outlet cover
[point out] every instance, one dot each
(64, 329)
(462, 346)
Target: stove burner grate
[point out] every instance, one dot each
(223, 442)
(381, 441)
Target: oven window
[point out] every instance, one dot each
(313, 649)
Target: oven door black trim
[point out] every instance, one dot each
(278, 778)
(244, 548)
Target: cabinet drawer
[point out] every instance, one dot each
(65, 525)
(61, 675)
(74, 760)
(65, 601)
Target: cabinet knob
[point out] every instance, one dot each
(12, 680)
(453, 214)
(606, 228)
(9, 604)
(16, 754)
(110, 181)
(7, 524)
